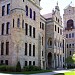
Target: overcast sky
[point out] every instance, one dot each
(48, 5)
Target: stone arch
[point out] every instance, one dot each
(49, 60)
(70, 24)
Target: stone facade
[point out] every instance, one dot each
(69, 29)
(29, 37)
(54, 39)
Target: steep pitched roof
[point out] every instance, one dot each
(46, 16)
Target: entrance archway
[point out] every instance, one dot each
(50, 60)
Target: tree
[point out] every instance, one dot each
(18, 67)
(69, 60)
(73, 57)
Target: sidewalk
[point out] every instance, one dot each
(48, 73)
(54, 72)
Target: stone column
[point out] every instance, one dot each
(53, 61)
(57, 60)
(62, 61)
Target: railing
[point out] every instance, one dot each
(69, 28)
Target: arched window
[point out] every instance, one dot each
(49, 42)
(26, 10)
(34, 15)
(30, 13)
(18, 22)
(70, 24)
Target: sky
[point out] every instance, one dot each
(49, 5)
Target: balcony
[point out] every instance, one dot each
(69, 28)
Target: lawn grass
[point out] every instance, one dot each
(28, 72)
(67, 73)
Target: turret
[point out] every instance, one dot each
(57, 7)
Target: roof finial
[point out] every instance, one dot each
(57, 3)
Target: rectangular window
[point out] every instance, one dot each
(69, 35)
(58, 29)
(26, 28)
(2, 32)
(63, 59)
(70, 52)
(29, 49)
(3, 10)
(42, 53)
(7, 48)
(66, 35)
(7, 28)
(25, 63)
(63, 46)
(18, 22)
(33, 50)
(30, 30)
(29, 63)
(2, 48)
(42, 40)
(73, 45)
(43, 26)
(22, 23)
(25, 48)
(6, 62)
(8, 8)
(1, 62)
(55, 27)
(33, 32)
(13, 23)
(67, 45)
(72, 35)
(40, 25)
(34, 63)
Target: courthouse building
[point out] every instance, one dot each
(54, 39)
(69, 29)
(28, 37)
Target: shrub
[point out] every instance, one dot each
(7, 68)
(10, 69)
(31, 68)
(18, 67)
(3, 68)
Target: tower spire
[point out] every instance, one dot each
(57, 3)
(57, 7)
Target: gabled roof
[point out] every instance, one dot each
(46, 16)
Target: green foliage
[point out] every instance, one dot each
(3, 68)
(69, 60)
(67, 73)
(7, 68)
(73, 57)
(31, 68)
(10, 69)
(18, 67)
